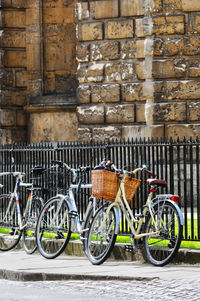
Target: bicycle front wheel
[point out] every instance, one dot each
(161, 248)
(9, 227)
(101, 236)
(53, 228)
(30, 221)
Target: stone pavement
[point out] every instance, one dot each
(17, 265)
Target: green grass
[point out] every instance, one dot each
(120, 239)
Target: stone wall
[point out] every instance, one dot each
(139, 68)
(38, 71)
(132, 65)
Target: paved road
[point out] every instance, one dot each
(156, 289)
(113, 281)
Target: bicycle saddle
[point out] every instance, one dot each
(157, 182)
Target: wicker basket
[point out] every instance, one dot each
(105, 185)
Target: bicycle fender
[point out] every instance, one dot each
(177, 208)
(179, 212)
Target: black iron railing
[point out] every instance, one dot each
(175, 161)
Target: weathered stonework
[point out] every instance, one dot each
(149, 53)
(37, 58)
(114, 68)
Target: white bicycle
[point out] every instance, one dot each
(59, 217)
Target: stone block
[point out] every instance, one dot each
(84, 134)
(41, 128)
(20, 78)
(105, 93)
(105, 51)
(140, 113)
(186, 90)
(90, 31)
(58, 33)
(58, 15)
(10, 98)
(105, 9)
(14, 18)
(82, 52)
(160, 25)
(190, 6)
(194, 23)
(7, 118)
(49, 82)
(10, 136)
(136, 8)
(119, 29)
(132, 92)
(83, 94)
(15, 58)
(169, 69)
(33, 57)
(169, 112)
(90, 72)
(14, 3)
(120, 71)
(194, 111)
(142, 131)
(82, 11)
(128, 49)
(104, 133)
(65, 82)
(182, 130)
(172, 5)
(7, 79)
(14, 38)
(91, 114)
(120, 113)
(193, 68)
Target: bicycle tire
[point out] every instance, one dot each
(9, 228)
(51, 238)
(160, 250)
(100, 244)
(30, 220)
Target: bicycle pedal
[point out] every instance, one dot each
(129, 248)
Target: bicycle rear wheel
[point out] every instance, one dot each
(100, 241)
(160, 249)
(29, 233)
(53, 228)
(9, 227)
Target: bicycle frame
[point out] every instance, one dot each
(118, 205)
(70, 199)
(15, 197)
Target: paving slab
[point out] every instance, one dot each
(17, 265)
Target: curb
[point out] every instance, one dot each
(26, 276)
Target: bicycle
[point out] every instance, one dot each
(59, 217)
(13, 223)
(159, 226)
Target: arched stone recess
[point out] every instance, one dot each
(51, 70)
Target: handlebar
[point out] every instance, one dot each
(124, 171)
(13, 173)
(74, 171)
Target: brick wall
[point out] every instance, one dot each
(138, 68)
